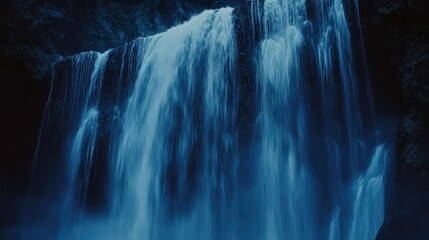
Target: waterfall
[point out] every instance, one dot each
(312, 144)
(144, 140)
(177, 145)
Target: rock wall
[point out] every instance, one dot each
(397, 37)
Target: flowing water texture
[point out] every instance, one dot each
(311, 126)
(146, 138)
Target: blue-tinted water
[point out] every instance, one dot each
(147, 139)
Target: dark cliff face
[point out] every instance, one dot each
(397, 37)
(38, 31)
(24, 59)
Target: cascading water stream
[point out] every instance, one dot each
(312, 141)
(177, 147)
(147, 138)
